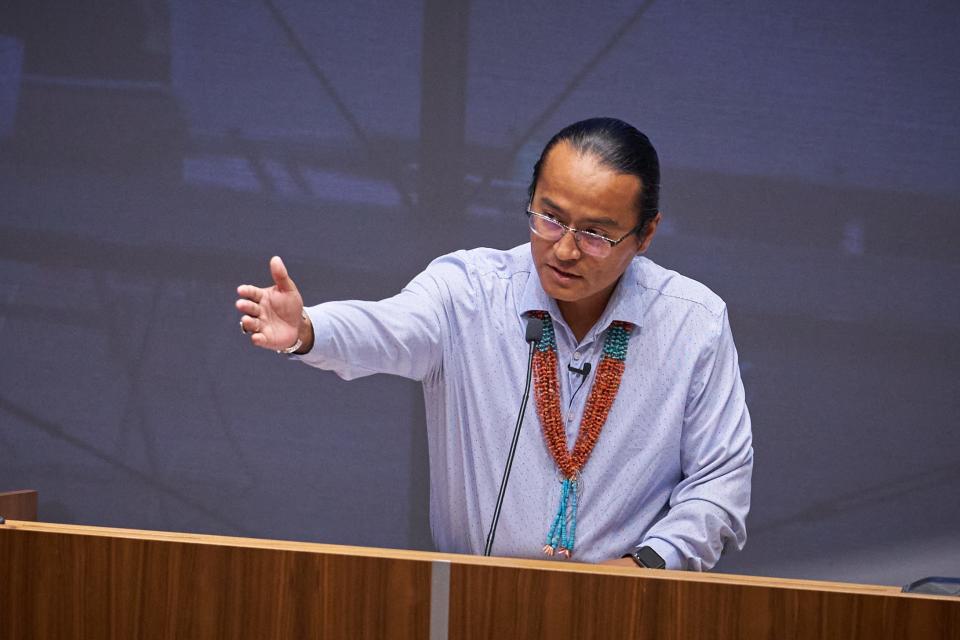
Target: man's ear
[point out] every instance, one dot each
(643, 242)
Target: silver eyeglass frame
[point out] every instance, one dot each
(610, 242)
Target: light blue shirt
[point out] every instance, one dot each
(672, 466)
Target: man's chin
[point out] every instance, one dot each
(562, 293)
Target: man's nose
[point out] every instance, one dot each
(566, 247)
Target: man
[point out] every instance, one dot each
(644, 457)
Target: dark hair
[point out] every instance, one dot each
(619, 146)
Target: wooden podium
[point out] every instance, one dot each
(62, 581)
(19, 505)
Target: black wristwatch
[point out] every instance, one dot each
(646, 558)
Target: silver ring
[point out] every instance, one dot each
(242, 330)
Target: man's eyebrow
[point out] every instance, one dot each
(553, 205)
(601, 221)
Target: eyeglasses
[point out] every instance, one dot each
(590, 243)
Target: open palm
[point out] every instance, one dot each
(271, 314)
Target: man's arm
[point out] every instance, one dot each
(401, 335)
(708, 508)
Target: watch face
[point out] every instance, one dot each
(647, 557)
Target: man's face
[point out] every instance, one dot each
(582, 193)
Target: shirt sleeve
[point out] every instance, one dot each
(402, 335)
(708, 508)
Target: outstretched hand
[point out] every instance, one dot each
(272, 315)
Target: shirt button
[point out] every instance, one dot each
(576, 355)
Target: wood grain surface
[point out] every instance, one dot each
(496, 602)
(63, 581)
(80, 586)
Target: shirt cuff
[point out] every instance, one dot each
(321, 336)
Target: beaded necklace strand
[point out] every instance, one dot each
(563, 530)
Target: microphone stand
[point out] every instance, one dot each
(533, 335)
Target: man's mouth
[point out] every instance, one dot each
(562, 273)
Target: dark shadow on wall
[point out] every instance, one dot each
(122, 40)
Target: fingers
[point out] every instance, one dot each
(249, 307)
(280, 276)
(251, 325)
(250, 292)
(278, 271)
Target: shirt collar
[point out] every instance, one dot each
(625, 304)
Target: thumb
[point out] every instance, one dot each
(280, 277)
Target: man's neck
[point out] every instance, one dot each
(581, 315)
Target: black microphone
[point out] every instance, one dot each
(534, 333)
(583, 371)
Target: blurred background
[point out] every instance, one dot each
(155, 153)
